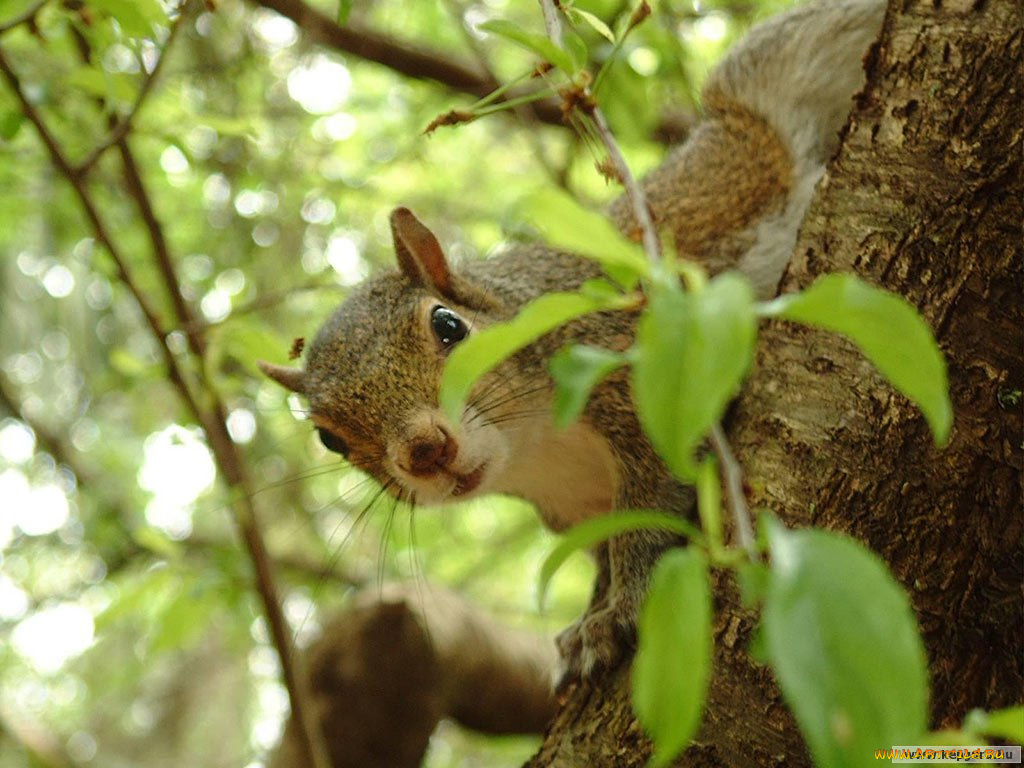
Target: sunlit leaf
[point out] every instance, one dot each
(709, 503)
(538, 44)
(566, 224)
(593, 21)
(842, 638)
(10, 124)
(344, 9)
(106, 85)
(158, 542)
(1000, 724)
(136, 17)
(672, 666)
(888, 330)
(691, 354)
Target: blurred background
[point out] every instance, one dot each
(243, 166)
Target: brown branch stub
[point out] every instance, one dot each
(454, 117)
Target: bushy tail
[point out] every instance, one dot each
(735, 194)
(799, 71)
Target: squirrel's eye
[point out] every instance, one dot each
(332, 442)
(448, 327)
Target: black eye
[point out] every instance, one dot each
(448, 327)
(332, 442)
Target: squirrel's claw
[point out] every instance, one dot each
(602, 638)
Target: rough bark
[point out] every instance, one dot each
(924, 199)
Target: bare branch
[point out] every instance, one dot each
(123, 126)
(102, 234)
(552, 22)
(635, 193)
(226, 454)
(398, 56)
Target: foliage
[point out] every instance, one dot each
(269, 164)
(249, 143)
(838, 630)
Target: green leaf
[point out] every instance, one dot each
(627, 100)
(10, 123)
(845, 647)
(672, 666)
(484, 350)
(344, 9)
(709, 504)
(595, 23)
(106, 85)
(577, 370)
(577, 49)
(12, 9)
(566, 224)
(591, 532)
(538, 44)
(890, 333)
(752, 579)
(1001, 724)
(692, 352)
(136, 17)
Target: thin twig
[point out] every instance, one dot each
(124, 125)
(634, 192)
(229, 461)
(527, 117)
(734, 496)
(398, 56)
(102, 234)
(731, 469)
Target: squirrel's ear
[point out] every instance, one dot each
(419, 254)
(293, 379)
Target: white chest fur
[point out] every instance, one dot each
(570, 475)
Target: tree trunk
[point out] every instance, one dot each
(924, 199)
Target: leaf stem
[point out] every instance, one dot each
(634, 192)
(732, 473)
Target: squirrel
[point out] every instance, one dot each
(732, 196)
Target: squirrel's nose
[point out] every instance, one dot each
(428, 455)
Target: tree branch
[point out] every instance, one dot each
(400, 57)
(226, 454)
(102, 234)
(120, 128)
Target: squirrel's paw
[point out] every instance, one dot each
(600, 639)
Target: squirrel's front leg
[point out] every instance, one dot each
(606, 633)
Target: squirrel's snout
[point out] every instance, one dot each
(428, 455)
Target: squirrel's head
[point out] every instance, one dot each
(373, 374)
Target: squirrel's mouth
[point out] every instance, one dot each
(467, 483)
